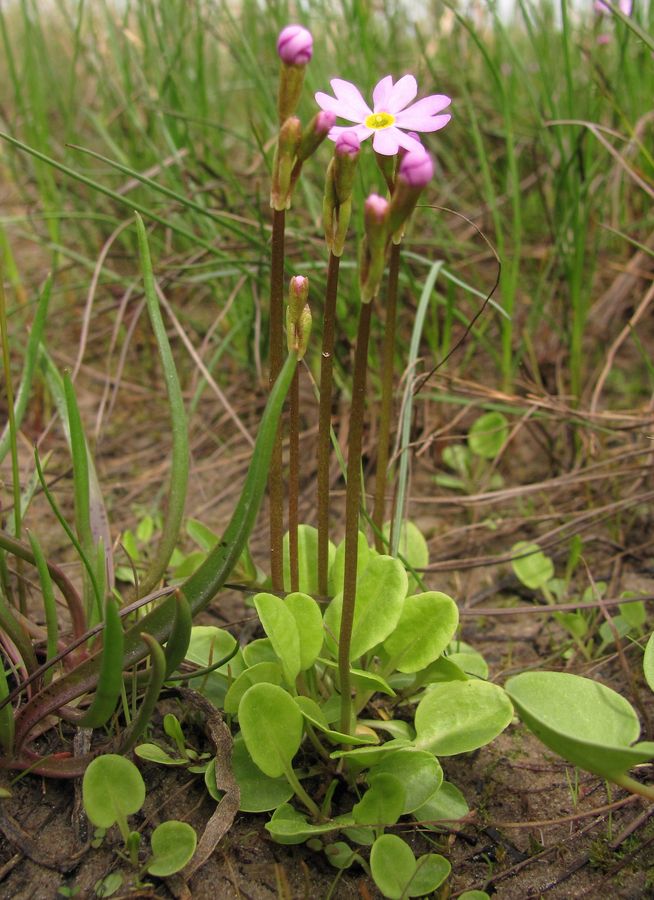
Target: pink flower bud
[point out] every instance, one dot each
(376, 209)
(299, 287)
(324, 122)
(295, 45)
(416, 168)
(347, 144)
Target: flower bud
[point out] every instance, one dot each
(295, 45)
(337, 202)
(288, 143)
(415, 171)
(315, 133)
(298, 316)
(347, 144)
(373, 256)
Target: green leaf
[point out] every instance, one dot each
(288, 826)
(474, 895)
(426, 626)
(648, 662)
(634, 613)
(447, 805)
(173, 844)
(107, 886)
(203, 536)
(392, 865)
(379, 599)
(457, 457)
(382, 803)
(307, 545)
(272, 727)
(467, 659)
(268, 672)
(371, 756)
(155, 754)
(259, 792)
(533, 568)
(279, 624)
(585, 722)
(259, 651)
(110, 680)
(112, 789)
(208, 644)
(412, 548)
(315, 716)
(418, 771)
(337, 566)
(460, 716)
(488, 435)
(431, 871)
(363, 680)
(308, 619)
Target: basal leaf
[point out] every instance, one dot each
(426, 626)
(459, 716)
(279, 624)
(272, 727)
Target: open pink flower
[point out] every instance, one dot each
(623, 5)
(391, 115)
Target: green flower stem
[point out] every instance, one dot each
(352, 501)
(324, 420)
(276, 342)
(386, 398)
(294, 479)
(9, 391)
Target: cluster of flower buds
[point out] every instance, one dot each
(294, 145)
(337, 202)
(385, 220)
(298, 316)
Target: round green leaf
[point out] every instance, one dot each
(288, 826)
(583, 721)
(532, 567)
(272, 726)
(259, 651)
(488, 434)
(431, 871)
(392, 865)
(447, 805)
(259, 793)
(269, 672)
(412, 548)
(308, 619)
(418, 771)
(208, 644)
(458, 716)
(382, 803)
(648, 661)
(112, 789)
(337, 565)
(379, 599)
(474, 895)
(427, 624)
(173, 844)
(279, 624)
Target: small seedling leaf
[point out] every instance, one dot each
(173, 844)
(272, 727)
(447, 805)
(108, 886)
(431, 871)
(112, 788)
(208, 644)
(488, 434)
(459, 716)
(382, 803)
(532, 567)
(288, 826)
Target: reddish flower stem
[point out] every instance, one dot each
(276, 350)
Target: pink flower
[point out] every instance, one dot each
(295, 45)
(625, 6)
(391, 115)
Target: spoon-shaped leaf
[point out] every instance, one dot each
(280, 626)
(583, 721)
(418, 771)
(458, 716)
(259, 793)
(272, 726)
(427, 625)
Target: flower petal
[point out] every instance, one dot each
(408, 141)
(422, 111)
(381, 93)
(424, 123)
(350, 96)
(360, 130)
(331, 104)
(387, 141)
(403, 92)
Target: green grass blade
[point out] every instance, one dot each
(180, 449)
(49, 603)
(152, 691)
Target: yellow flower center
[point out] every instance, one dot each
(379, 120)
